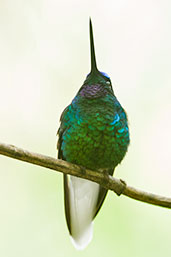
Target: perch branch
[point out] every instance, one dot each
(107, 181)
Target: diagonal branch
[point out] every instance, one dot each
(114, 184)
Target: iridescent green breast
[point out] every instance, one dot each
(94, 135)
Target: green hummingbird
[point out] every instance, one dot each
(93, 133)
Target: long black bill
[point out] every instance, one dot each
(93, 56)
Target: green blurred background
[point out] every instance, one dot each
(44, 58)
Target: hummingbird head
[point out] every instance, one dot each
(97, 84)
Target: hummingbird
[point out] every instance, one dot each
(94, 134)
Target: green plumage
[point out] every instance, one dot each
(94, 134)
(88, 136)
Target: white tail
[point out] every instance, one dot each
(83, 196)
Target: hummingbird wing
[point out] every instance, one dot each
(60, 132)
(102, 194)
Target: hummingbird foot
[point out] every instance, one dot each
(106, 176)
(120, 189)
(82, 170)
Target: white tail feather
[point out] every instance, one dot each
(83, 196)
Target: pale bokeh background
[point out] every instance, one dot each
(44, 58)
